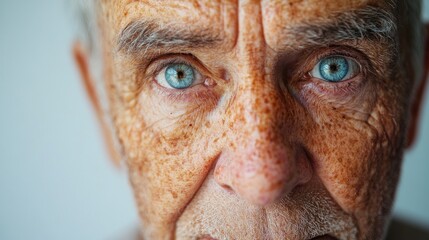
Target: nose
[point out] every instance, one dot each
(262, 175)
(262, 161)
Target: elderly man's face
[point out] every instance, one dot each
(257, 119)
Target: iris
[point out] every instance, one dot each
(334, 69)
(179, 75)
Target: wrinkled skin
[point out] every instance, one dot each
(261, 150)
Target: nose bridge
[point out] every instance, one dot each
(260, 161)
(258, 110)
(255, 91)
(251, 45)
(258, 103)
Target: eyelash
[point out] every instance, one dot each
(167, 60)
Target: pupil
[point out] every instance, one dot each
(333, 68)
(180, 74)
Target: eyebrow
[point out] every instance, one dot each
(141, 35)
(368, 23)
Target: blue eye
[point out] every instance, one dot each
(335, 69)
(179, 75)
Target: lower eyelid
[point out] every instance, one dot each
(341, 89)
(196, 95)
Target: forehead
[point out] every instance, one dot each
(198, 11)
(222, 16)
(290, 9)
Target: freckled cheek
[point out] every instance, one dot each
(152, 128)
(350, 164)
(168, 143)
(166, 169)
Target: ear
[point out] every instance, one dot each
(81, 58)
(419, 96)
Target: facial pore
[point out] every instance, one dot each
(260, 129)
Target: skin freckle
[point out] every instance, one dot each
(252, 140)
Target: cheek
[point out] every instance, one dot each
(358, 161)
(169, 150)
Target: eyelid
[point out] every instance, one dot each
(160, 63)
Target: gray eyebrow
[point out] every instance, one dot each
(372, 23)
(368, 23)
(141, 35)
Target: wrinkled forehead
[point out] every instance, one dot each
(222, 17)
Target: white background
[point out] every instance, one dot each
(56, 181)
